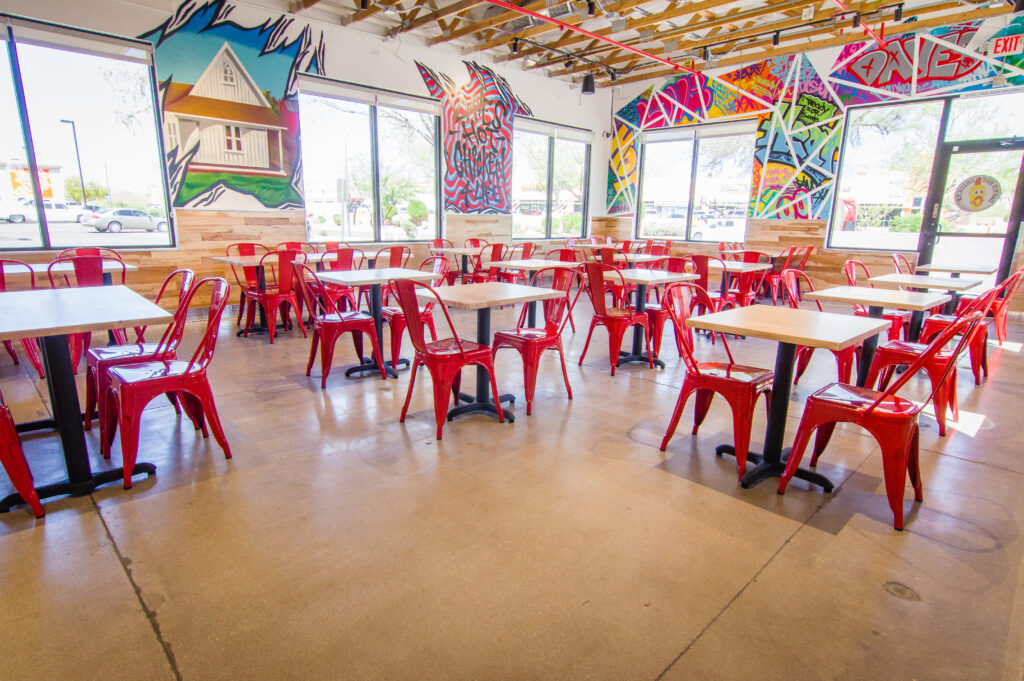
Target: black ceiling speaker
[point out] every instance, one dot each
(364, 4)
(588, 84)
(898, 14)
(591, 7)
(1018, 7)
(856, 20)
(775, 38)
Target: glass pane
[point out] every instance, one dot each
(665, 188)
(336, 168)
(529, 184)
(20, 224)
(722, 188)
(568, 192)
(969, 203)
(979, 118)
(968, 250)
(93, 124)
(408, 193)
(887, 160)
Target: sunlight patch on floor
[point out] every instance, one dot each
(969, 424)
(1009, 346)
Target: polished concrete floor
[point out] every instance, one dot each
(339, 543)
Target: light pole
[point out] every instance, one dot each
(78, 158)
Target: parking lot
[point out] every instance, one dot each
(67, 234)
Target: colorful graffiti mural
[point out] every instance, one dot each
(800, 110)
(476, 138)
(228, 83)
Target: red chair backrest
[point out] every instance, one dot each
(679, 299)
(89, 250)
(965, 325)
(277, 267)
(474, 243)
(397, 256)
(14, 266)
(902, 264)
(490, 253)
(219, 289)
(331, 245)
(563, 255)
(1010, 286)
(405, 291)
(598, 287)
(656, 249)
(674, 265)
(441, 243)
(439, 265)
(702, 266)
(791, 279)
(343, 259)
(315, 295)
(187, 281)
(250, 275)
(784, 259)
(295, 246)
(555, 311)
(853, 269)
(88, 271)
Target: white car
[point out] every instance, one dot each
(117, 219)
(56, 211)
(15, 212)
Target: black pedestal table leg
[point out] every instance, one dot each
(481, 403)
(531, 314)
(916, 320)
(377, 312)
(867, 354)
(638, 354)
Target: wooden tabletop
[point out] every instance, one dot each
(737, 267)
(650, 277)
(531, 264)
(788, 325)
(489, 294)
(957, 269)
(591, 247)
(457, 250)
(52, 312)
(109, 265)
(922, 281)
(381, 275)
(254, 260)
(879, 297)
(638, 257)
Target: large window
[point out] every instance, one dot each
(883, 178)
(369, 170)
(89, 104)
(707, 168)
(550, 176)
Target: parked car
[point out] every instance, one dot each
(84, 212)
(117, 219)
(15, 212)
(56, 211)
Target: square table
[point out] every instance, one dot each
(956, 270)
(533, 265)
(953, 285)
(374, 279)
(636, 258)
(41, 268)
(52, 314)
(790, 327)
(460, 251)
(643, 279)
(482, 297)
(877, 299)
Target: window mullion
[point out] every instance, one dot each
(375, 174)
(693, 188)
(26, 132)
(551, 175)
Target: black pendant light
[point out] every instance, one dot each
(588, 84)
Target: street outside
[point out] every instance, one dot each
(68, 234)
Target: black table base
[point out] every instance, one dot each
(367, 366)
(762, 469)
(637, 354)
(476, 406)
(77, 489)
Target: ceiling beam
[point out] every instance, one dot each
(533, 31)
(447, 10)
(299, 5)
(478, 26)
(743, 59)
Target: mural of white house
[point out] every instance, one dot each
(234, 123)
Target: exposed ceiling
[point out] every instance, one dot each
(699, 34)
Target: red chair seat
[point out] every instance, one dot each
(736, 372)
(860, 398)
(12, 458)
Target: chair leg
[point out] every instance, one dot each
(312, 350)
(205, 397)
(593, 325)
(821, 440)
(32, 352)
(494, 391)
(129, 414)
(408, 394)
(565, 374)
(377, 354)
(796, 453)
(701, 405)
(90, 395)
(530, 360)
(327, 343)
(895, 467)
(803, 358)
(677, 413)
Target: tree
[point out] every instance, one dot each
(73, 190)
(417, 211)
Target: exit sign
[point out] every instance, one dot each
(1007, 45)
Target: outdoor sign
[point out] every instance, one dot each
(977, 193)
(1006, 45)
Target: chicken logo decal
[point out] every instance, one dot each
(977, 193)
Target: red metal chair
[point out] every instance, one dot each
(99, 360)
(900, 353)
(29, 345)
(702, 266)
(88, 272)
(532, 342)
(474, 243)
(656, 249)
(803, 254)
(773, 278)
(329, 323)
(902, 264)
(303, 246)
(521, 251)
(331, 245)
(444, 358)
(12, 457)
(729, 246)
(396, 318)
(492, 254)
(891, 420)
(245, 277)
(741, 386)
(657, 313)
(133, 386)
(278, 296)
(389, 256)
(342, 259)
(564, 255)
(616, 319)
(900, 319)
(790, 281)
(745, 287)
(89, 250)
(453, 267)
(999, 306)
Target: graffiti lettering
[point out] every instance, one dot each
(885, 66)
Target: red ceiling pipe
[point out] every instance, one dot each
(590, 34)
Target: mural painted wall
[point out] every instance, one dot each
(228, 83)
(800, 110)
(476, 138)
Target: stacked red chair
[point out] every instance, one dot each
(245, 277)
(278, 296)
(133, 386)
(740, 385)
(492, 254)
(329, 323)
(999, 307)
(617, 320)
(532, 342)
(891, 420)
(443, 358)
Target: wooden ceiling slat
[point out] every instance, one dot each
(437, 15)
(478, 26)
